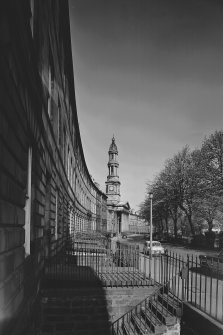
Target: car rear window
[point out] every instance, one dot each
(155, 244)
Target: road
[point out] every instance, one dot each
(178, 249)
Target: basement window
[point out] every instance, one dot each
(28, 204)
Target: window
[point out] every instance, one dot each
(73, 185)
(28, 203)
(71, 172)
(56, 215)
(47, 214)
(50, 84)
(74, 137)
(71, 228)
(32, 14)
(59, 123)
(68, 163)
(64, 144)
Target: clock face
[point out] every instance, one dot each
(111, 188)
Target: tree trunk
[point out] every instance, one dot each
(210, 236)
(161, 224)
(175, 227)
(189, 217)
(210, 225)
(191, 224)
(173, 213)
(167, 225)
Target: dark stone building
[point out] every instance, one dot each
(46, 191)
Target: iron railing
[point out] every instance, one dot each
(153, 314)
(204, 285)
(93, 259)
(85, 258)
(197, 281)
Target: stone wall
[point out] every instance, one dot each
(137, 224)
(121, 300)
(46, 191)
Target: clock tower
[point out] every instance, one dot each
(113, 183)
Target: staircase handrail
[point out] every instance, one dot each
(143, 302)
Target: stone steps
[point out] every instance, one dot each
(153, 322)
(161, 312)
(158, 316)
(171, 303)
(139, 325)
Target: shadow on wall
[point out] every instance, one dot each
(75, 303)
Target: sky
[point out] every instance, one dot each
(151, 73)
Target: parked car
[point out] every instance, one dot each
(110, 234)
(126, 234)
(157, 248)
(212, 264)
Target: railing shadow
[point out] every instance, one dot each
(73, 298)
(76, 305)
(113, 264)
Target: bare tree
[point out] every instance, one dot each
(212, 155)
(191, 182)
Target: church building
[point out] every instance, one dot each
(117, 211)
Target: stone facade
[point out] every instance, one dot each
(46, 191)
(137, 223)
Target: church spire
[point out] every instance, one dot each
(113, 183)
(113, 147)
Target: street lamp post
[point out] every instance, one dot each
(151, 231)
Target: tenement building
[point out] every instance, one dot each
(46, 191)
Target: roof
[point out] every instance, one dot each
(123, 204)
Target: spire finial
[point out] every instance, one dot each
(113, 146)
